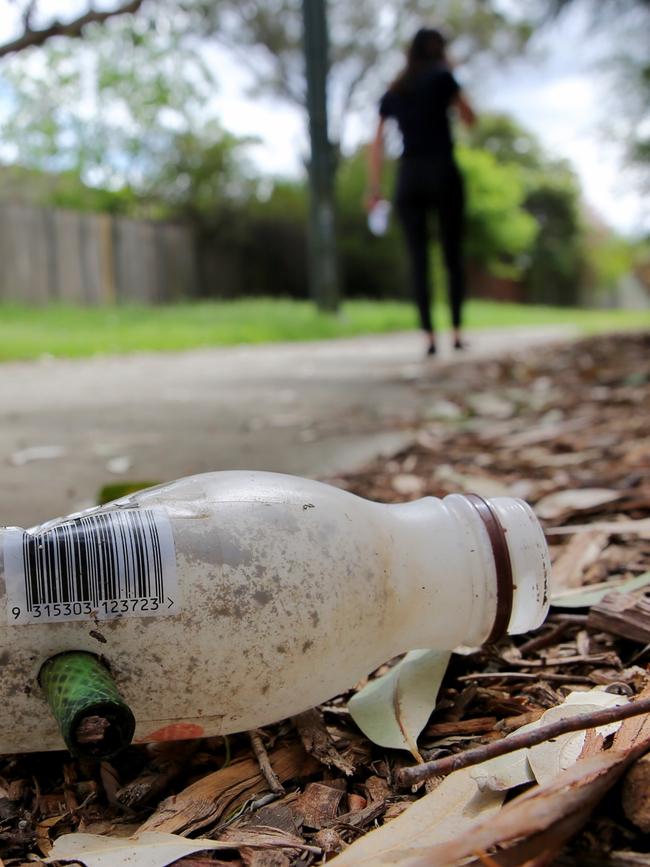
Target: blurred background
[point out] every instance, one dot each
(159, 153)
(169, 181)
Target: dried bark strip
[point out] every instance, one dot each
(622, 614)
(208, 799)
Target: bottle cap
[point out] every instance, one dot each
(530, 562)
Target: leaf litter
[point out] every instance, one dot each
(565, 428)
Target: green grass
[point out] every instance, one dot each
(27, 332)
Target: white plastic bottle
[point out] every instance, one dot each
(226, 601)
(379, 217)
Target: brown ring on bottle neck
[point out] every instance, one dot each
(502, 565)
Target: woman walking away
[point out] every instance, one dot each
(428, 179)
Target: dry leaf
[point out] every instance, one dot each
(444, 814)
(640, 527)
(544, 761)
(568, 502)
(393, 709)
(594, 593)
(407, 484)
(539, 822)
(155, 849)
(149, 849)
(583, 550)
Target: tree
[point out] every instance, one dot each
(73, 28)
(367, 40)
(117, 108)
(551, 195)
(627, 22)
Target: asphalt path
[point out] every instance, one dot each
(68, 427)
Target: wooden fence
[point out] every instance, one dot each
(49, 255)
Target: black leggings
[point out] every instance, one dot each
(425, 185)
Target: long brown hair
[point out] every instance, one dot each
(426, 50)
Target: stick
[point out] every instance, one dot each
(440, 767)
(544, 640)
(73, 29)
(523, 675)
(265, 763)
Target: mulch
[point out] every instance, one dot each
(566, 428)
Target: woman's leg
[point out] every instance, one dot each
(413, 217)
(452, 210)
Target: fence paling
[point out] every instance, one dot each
(56, 255)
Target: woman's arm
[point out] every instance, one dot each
(465, 110)
(375, 163)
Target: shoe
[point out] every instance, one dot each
(458, 344)
(432, 349)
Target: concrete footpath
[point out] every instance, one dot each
(68, 427)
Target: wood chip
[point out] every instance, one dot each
(318, 805)
(318, 743)
(622, 614)
(581, 552)
(636, 794)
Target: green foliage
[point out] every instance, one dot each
(116, 490)
(27, 332)
(109, 108)
(201, 171)
(497, 227)
(556, 269)
(370, 267)
(64, 190)
(553, 269)
(506, 140)
(609, 258)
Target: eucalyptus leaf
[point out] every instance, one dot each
(584, 597)
(542, 762)
(158, 849)
(149, 849)
(393, 709)
(446, 813)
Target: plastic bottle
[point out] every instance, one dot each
(226, 601)
(379, 217)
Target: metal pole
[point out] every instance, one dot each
(323, 270)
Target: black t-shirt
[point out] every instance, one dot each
(421, 112)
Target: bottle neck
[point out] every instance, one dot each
(467, 570)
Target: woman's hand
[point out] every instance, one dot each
(370, 199)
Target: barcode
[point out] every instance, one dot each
(101, 565)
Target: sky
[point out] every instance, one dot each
(555, 91)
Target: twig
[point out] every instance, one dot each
(524, 675)
(545, 639)
(552, 661)
(440, 767)
(264, 762)
(73, 29)
(560, 617)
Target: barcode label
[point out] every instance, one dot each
(99, 566)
